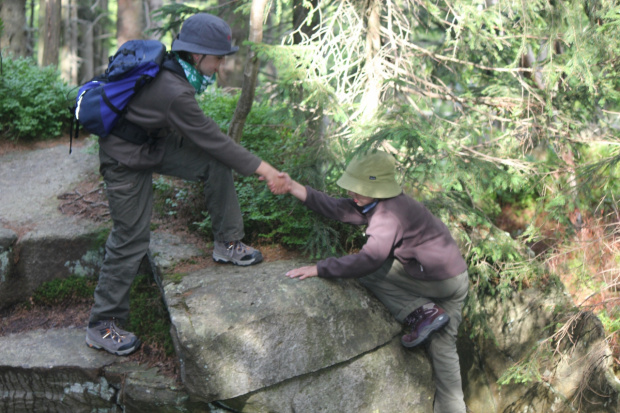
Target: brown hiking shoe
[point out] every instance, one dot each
(236, 252)
(423, 322)
(106, 335)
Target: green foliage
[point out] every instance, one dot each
(149, 318)
(528, 370)
(611, 320)
(32, 101)
(271, 134)
(63, 291)
(169, 198)
(171, 17)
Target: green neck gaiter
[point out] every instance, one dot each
(195, 78)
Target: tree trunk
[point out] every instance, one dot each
(149, 7)
(250, 72)
(231, 72)
(129, 20)
(69, 61)
(49, 32)
(93, 34)
(13, 16)
(372, 94)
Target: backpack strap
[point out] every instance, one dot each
(74, 129)
(170, 63)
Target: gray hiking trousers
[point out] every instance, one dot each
(130, 195)
(402, 294)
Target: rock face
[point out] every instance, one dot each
(53, 371)
(242, 330)
(574, 362)
(252, 340)
(50, 245)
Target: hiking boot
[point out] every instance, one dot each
(423, 322)
(106, 335)
(236, 252)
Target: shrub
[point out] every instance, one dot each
(271, 134)
(33, 101)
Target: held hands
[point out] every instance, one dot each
(280, 184)
(303, 272)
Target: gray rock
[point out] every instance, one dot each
(387, 379)
(7, 261)
(57, 249)
(242, 329)
(572, 364)
(31, 181)
(51, 245)
(7, 238)
(53, 371)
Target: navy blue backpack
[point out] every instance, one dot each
(102, 101)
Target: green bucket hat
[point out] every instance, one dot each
(371, 175)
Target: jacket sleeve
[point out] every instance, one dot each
(383, 233)
(185, 116)
(338, 209)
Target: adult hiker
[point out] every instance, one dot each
(182, 142)
(409, 261)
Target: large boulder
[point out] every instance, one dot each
(258, 341)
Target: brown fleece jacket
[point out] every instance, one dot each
(398, 227)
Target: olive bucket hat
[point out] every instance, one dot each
(205, 33)
(372, 175)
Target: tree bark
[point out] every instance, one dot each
(13, 15)
(69, 62)
(149, 7)
(93, 32)
(250, 72)
(372, 94)
(49, 32)
(129, 20)
(231, 72)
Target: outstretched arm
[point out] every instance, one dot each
(296, 189)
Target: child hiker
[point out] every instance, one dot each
(410, 262)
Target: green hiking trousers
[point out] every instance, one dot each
(402, 294)
(130, 196)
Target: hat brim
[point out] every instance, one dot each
(180, 45)
(368, 188)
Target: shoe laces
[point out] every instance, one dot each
(114, 333)
(413, 319)
(238, 245)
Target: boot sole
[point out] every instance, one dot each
(96, 346)
(426, 332)
(224, 260)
